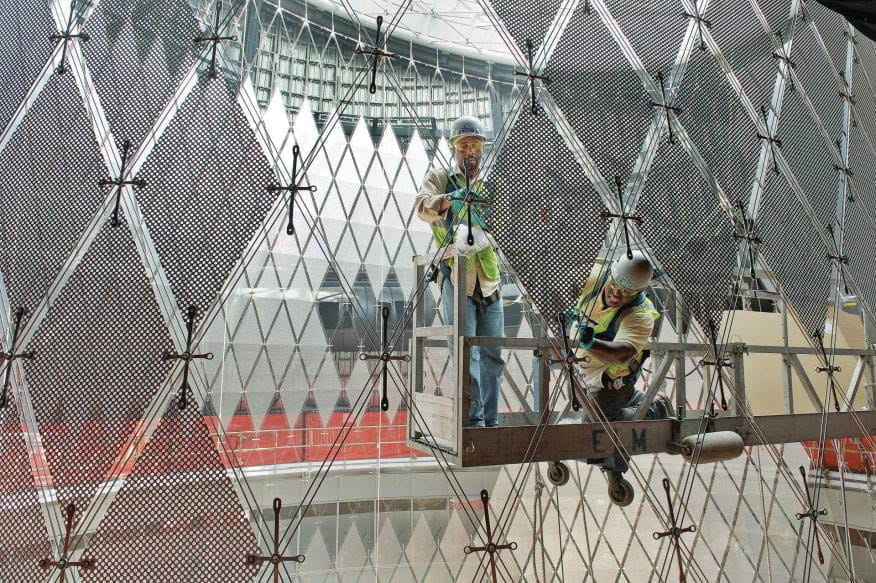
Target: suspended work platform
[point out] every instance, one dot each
(536, 435)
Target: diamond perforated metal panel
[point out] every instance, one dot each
(23, 535)
(25, 27)
(525, 20)
(655, 38)
(802, 269)
(690, 234)
(206, 193)
(138, 53)
(813, 70)
(599, 94)
(860, 228)
(49, 171)
(723, 132)
(97, 366)
(746, 45)
(833, 29)
(189, 523)
(809, 157)
(545, 214)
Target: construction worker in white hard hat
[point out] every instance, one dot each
(613, 320)
(438, 203)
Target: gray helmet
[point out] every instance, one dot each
(467, 126)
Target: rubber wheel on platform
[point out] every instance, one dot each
(620, 490)
(558, 473)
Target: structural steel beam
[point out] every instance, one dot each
(508, 445)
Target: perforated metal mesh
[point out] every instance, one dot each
(747, 47)
(49, 171)
(526, 20)
(138, 53)
(860, 228)
(190, 526)
(721, 130)
(655, 38)
(23, 535)
(690, 234)
(599, 94)
(802, 269)
(809, 157)
(833, 29)
(545, 214)
(814, 72)
(206, 193)
(25, 28)
(98, 364)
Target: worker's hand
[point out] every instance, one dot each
(586, 337)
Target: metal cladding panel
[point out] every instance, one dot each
(859, 243)
(23, 535)
(526, 20)
(206, 193)
(98, 363)
(833, 29)
(189, 523)
(655, 36)
(545, 213)
(801, 268)
(49, 171)
(138, 53)
(25, 27)
(718, 125)
(813, 70)
(599, 94)
(747, 47)
(689, 232)
(809, 157)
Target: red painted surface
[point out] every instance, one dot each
(858, 453)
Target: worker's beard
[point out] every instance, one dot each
(471, 164)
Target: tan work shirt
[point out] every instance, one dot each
(431, 195)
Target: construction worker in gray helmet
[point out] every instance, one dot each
(441, 203)
(611, 323)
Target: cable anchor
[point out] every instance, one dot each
(65, 37)
(214, 40)
(749, 235)
(385, 357)
(119, 182)
(11, 356)
(830, 369)
(675, 531)
(568, 361)
(64, 562)
(700, 23)
(187, 357)
(812, 514)
(292, 189)
(770, 139)
(376, 53)
(491, 548)
(623, 216)
(719, 362)
(275, 558)
(664, 106)
(533, 77)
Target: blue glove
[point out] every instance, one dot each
(586, 337)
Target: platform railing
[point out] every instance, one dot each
(447, 415)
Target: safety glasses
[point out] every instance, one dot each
(469, 146)
(615, 289)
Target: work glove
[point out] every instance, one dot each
(586, 337)
(479, 239)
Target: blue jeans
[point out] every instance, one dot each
(486, 364)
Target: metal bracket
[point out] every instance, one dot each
(65, 37)
(11, 356)
(64, 562)
(491, 548)
(187, 357)
(214, 39)
(275, 558)
(377, 53)
(292, 189)
(532, 78)
(119, 182)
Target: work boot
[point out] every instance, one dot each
(662, 407)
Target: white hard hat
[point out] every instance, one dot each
(632, 274)
(467, 126)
